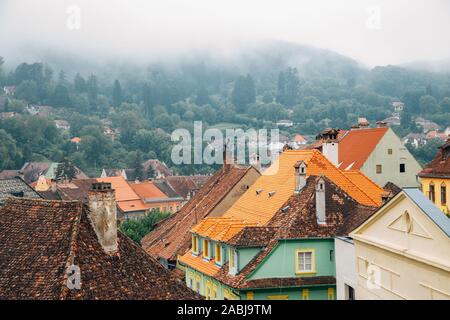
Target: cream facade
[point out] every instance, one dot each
(395, 161)
(402, 251)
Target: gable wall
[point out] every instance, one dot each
(391, 163)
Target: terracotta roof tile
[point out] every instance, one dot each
(40, 238)
(440, 165)
(356, 146)
(171, 237)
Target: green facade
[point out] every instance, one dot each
(280, 263)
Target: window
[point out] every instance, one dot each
(233, 258)
(194, 244)
(330, 293)
(443, 193)
(331, 255)
(206, 248)
(431, 192)
(218, 253)
(389, 151)
(379, 169)
(305, 294)
(197, 283)
(349, 293)
(305, 261)
(402, 167)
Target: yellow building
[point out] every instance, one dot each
(402, 251)
(435, 178)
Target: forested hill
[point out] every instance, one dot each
(144, 102)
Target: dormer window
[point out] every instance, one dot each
(195, 244)
(218, 253)
(206, 249)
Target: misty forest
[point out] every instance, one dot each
(254, 89)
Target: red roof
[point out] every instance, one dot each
(356, 146)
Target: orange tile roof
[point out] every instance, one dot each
(132, 205)
(147, 190)
(127, 199)
(356, 146)
(198, 263)
(75, 140)
(220, 229)
(368, 186)
(123, 190)
(257, 208)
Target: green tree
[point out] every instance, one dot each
(117, 94)
(137, 229)
(79, 83)
(60, 97)
(65, 171)
(92, 87)
(243, 92)
(28, 91)
(428, 104)
(10, 155)
(138, 167)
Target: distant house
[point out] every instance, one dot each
(392, 121)
(31, 171)
(44, 241)
(110, 133)
(9, 90)
(186, 186)
(434, 134)
(76, 141)
(398, 106)
(415, 139)
(160, 170)
(16, 187)
(7, 115)
(3, 102)
(426, 125)
(40, 111)
(285, 123)
(62, 125)
(362, 122)
(377, 152)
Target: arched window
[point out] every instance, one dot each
(443, 193)
(431, 194)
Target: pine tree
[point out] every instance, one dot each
(79, 83)
(117, 94)
(138, 167)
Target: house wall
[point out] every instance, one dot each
(245, 255)
(399, 277)
(391, 163)
(296, 293)
(405, 258)
(438, 182)
(281, 261)
(235, 193)
(345, 267)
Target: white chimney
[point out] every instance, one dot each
(103, 215)
(330, 145)
(320, 202)
(300, 176)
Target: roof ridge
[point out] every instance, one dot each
(72, 251)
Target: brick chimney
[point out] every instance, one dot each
(300, 176)
(228, 160)
(320, 202)
(103, 214)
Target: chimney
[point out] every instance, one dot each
(54, 186)
(330, 145)
(103, 214)
(320, 202)
(254, 161)
(300, 176)
(363, 123)
(227, 158)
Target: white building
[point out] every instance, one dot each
(346, 276)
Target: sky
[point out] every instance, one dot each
(374, 32)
